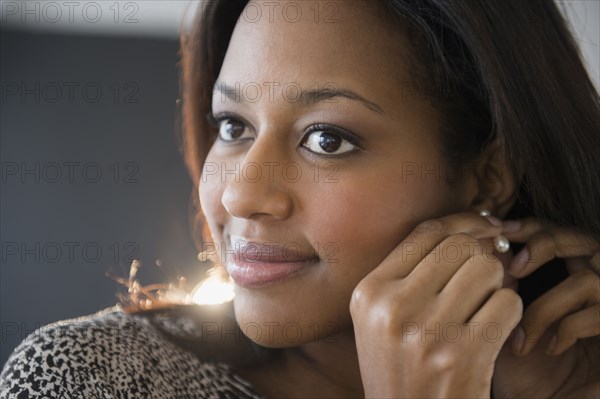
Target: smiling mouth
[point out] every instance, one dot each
(254, 264)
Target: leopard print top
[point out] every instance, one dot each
(112, 354)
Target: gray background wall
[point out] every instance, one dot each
(128, 193)
(88, 98)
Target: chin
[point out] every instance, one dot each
(277, 322)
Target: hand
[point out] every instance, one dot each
(555, 352)
(431, 319)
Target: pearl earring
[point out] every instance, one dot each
(500, 242)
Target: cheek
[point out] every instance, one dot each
(360, 221)
(210, 193)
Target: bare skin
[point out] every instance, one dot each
(359, 219)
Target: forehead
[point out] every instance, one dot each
(343, 42)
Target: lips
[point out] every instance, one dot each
(270, 251)
(255, 264)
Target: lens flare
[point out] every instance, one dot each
(216, 289)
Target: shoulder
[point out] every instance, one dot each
(112, 354)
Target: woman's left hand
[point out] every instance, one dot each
(555, 350)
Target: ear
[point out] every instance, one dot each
(494, 182)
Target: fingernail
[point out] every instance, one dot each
(494, 220)
(552, 345)
(510, 226)
(519, 261)
(518, 339)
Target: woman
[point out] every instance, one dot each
(354, 160)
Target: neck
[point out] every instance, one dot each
(326, 368)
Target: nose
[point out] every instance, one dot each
(258, 188)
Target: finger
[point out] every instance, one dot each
(498, 316)
(476, 280)
(594, 261)
(489, 248)
(438, 267)
(583, 324)
(523, 229)
(545, 242)
(579, 290)
(577, 264)
(587, 391)
(427, 235)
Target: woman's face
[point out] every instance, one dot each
(331, 180)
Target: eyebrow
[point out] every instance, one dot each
(306, 97)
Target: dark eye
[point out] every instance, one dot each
(230, 129)
(328, 143)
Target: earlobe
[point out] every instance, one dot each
(496, 190)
